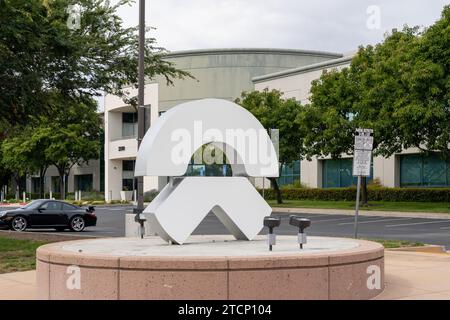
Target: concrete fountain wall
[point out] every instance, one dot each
(209, 267)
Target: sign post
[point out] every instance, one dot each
(362, 157)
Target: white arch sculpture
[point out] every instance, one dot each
(216, 117)
(167, 149)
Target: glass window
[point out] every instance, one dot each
(331, 173)
(424, 171)
(68, 207)
(127, 184)
(211, 170)
(338, 173)
(84, 182)
(51, 205)
(128, 165)
(346, 172)
(129, 124)
(434, 171)
(128, 180)
(33, 204)
(35, 185)
(56, 184)
(290, 173)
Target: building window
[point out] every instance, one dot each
(129, 124)
(419, 170)
(35, 185)
(290, 173)
(128, 180)
(209, 170)
(84, 182)
(55, 184)
(337, 173)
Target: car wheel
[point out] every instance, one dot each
(77, 224)
(19, 223)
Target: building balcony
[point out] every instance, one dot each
(122, 148)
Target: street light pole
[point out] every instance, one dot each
(140, 218)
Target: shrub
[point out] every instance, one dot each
(375, 193)
(150, 195)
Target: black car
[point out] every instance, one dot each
(46, 213)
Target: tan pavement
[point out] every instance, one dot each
(416, 276)
(18, 285)
(409, 275)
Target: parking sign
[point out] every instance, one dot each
(361, 163)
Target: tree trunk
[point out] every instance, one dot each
(17, 180)
(64, 171)
(277, 189)
(364, 195)
(42, 172)
(62, 186)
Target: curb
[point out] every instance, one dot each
(399, 214)
(43, 236)
(424, 249)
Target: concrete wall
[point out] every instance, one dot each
(296, 83)
(92, 167)
(225, 73)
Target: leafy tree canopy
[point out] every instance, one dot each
(42, 50)
(399, 88)
(274, 112)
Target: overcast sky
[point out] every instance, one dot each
(329, 25)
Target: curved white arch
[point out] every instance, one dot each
(170, 143)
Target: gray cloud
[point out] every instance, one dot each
(328, 25)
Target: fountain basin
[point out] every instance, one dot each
(210, 267)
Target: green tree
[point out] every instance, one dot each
(399, 88)
(24, 153)
(274, 112)
(72, 135)
(41, 50)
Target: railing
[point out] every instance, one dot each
(124, 138)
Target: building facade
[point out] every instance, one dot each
(220, 73)
(225, 74)
(408, 168)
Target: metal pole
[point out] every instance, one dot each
(141, 114)
(358, 188)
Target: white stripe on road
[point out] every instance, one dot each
(416, 223)
(373, 221)
(445, 228)
(326, 220)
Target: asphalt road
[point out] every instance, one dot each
(431, 231)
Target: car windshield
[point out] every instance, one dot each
(33, 204)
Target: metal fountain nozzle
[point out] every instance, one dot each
(271, 222)
(140, 218)
(301, 224)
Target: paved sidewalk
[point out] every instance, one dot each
(425, 215)
(409, 275)
(18, 285)
(416, 276)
